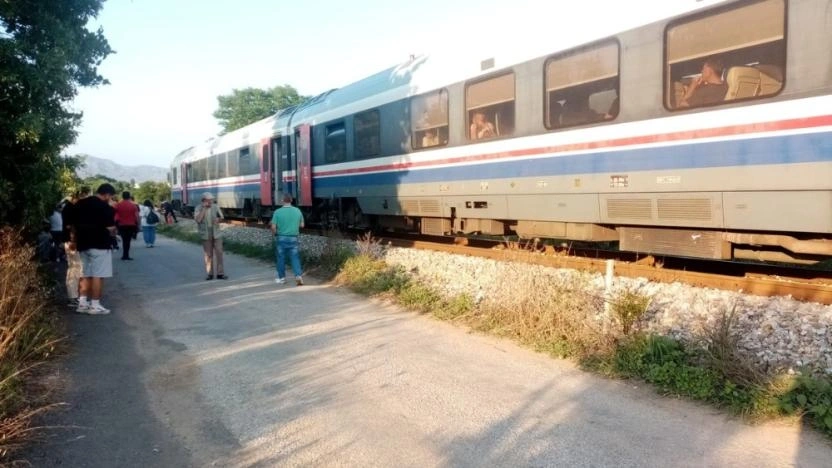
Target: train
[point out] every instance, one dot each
(705, 134)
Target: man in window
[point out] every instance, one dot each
(709, 88)
(480, 127)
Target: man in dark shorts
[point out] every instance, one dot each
(95, 228)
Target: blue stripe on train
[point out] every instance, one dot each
(790, 149)
(816, 147)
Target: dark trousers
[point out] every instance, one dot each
(127, 234)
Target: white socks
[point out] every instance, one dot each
(82, 300)
(95, 303)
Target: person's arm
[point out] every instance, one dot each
(199, 216)
(301, 219)
(689, 93)
(472, 132)
(219, 212)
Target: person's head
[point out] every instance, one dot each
(478, 118)
(125, 195)
(207, 198)
(287, 199)
(148, 203)
(712, 69)
(84, 192)
(106, 192)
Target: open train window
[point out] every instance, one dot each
(582, 86)
(367, 134)
(429, 119)
(336, 143)
(724, 55)
(489, 106)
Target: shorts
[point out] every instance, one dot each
(97, 263)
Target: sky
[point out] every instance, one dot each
(174, 57)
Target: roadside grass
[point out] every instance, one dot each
(563, 320)
(28, 337)
(566, 322)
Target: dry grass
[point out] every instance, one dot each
(27, 338)
(721, 351)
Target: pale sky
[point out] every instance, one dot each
(173, 58)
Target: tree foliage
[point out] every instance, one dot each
(156, 192)
(246, 106)
(46, 54)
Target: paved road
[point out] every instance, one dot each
(247, 373)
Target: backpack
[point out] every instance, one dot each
(152, 218)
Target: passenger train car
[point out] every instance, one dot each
(706, 134)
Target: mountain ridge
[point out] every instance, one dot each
(139, 173)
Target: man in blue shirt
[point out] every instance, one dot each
(286, 224)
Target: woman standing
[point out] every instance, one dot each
(149, 221)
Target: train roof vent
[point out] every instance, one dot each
(486, 64)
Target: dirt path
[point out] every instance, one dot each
(247, 373)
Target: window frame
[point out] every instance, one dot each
(565, 53)
(466, 110)
(413, 130)
(719, 9)
(356, 153)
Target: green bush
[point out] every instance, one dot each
(811, 397)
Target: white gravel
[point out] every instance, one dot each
(778, 333)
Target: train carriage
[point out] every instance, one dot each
(706, 135)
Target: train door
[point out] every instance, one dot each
(304, 172)
(266, 174)
(183, 182)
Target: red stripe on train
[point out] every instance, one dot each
(792, 124)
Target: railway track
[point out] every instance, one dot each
(800, 283)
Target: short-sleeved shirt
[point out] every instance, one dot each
(287, 219)
(708, 94)
(92, 218)
(126, 213)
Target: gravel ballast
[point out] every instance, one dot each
(778, 333)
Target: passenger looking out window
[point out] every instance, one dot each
(430, 138)
(708, 88)
(480, 127)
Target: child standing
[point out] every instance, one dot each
(73, 273)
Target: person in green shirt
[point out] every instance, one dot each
(285, 225)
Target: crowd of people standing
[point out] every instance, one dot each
(84, 231)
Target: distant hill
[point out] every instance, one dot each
(94, 166)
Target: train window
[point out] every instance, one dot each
(489, 105)
(174, 180)
(232, 165)
(336, 143)
(582, 86)
(247, 164)
(738, 53)
(429, 119)
(367, 134)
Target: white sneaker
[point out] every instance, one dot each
(97, 310)
(280, 280)
(83, 308)
(299, 280)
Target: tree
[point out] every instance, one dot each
(153, 191)
(245, 106)
(46, 53)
